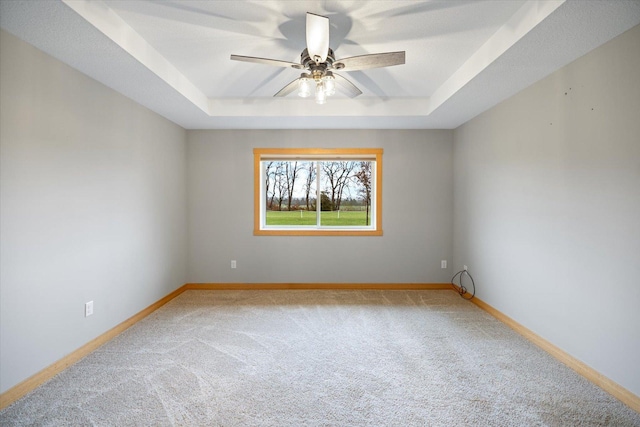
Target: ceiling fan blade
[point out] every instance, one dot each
(351, 89)
(375, 60)
(266, 61)
(317, 37)
(288, 88)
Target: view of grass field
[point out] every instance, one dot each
(327, 218)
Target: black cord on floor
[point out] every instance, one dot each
(462, 290)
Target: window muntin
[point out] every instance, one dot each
(288, 183)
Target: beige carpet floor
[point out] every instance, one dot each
(319, 358)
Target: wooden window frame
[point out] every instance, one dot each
(375, 154)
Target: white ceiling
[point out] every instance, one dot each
(462, 57)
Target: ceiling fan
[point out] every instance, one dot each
(319, 63)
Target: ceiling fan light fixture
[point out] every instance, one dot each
(304, 86)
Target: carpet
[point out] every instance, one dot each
(319, 358)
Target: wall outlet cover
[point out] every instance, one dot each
(88, 309)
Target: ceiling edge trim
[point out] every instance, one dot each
(115, 28)
(529, 16)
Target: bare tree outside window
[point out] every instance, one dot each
(291, 173)
(364, 179)
(310, 181)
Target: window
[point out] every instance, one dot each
(324, 192)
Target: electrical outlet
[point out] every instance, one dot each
(443, 263)
(88, 309)
(233, 263)
(465, 268)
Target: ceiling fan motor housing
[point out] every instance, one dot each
(317, 70)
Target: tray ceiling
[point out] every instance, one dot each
(462, 57)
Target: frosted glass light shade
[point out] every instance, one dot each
(329, 84)
(321, 96)
(304, 87)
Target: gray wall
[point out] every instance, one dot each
(92, 207)
(547, 208)
(417, 212)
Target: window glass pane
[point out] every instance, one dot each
(346, 193)
(290, 193)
